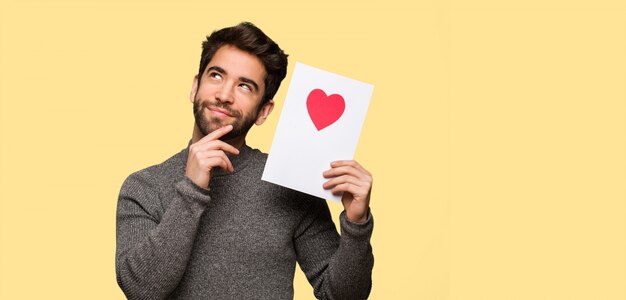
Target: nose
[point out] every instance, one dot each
(225, 93)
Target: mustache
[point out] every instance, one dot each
(222, 106)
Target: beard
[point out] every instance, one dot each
(241, 125)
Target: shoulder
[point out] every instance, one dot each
(257, 157)
(153, 178)
(251, 163)
(148, 188)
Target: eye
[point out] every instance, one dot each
(215, 75)
(246, 87)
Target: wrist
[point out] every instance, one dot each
(356, 219)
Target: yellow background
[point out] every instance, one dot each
(496, 135)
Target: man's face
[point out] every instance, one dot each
(230, 92)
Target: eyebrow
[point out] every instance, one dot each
(243, 79)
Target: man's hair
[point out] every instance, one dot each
(251, 39)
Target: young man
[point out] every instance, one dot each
(203, 225)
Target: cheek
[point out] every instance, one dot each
(205, 89)
(253, 110)
(201, 93)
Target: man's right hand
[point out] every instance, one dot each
(209, 153)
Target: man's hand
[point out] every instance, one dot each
(356, 184)
(208, 153)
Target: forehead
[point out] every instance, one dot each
(238, 63)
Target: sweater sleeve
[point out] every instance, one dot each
(152, 249)
(338, 267)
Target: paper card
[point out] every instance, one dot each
(321, 122)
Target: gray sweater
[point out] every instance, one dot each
(238, 239)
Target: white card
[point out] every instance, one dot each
(321, 122)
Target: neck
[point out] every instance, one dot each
(197, 135)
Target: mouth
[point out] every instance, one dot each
(219, 112)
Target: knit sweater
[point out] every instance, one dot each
(238, 239)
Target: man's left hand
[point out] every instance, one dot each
(349, 178)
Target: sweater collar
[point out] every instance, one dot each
(239, 161)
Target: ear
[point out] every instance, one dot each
(194, 89)
(265, 111)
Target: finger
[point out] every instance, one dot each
(218, 162)
(220, 145)
(216, 134)
(215, 162)
(346, 170)
(209, 155)
(354, 163)
(213, 145)
(344, 179)
(347, 187)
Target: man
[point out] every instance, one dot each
(203, 225)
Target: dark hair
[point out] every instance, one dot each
(251, 39)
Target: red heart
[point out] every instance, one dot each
(324, 110)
